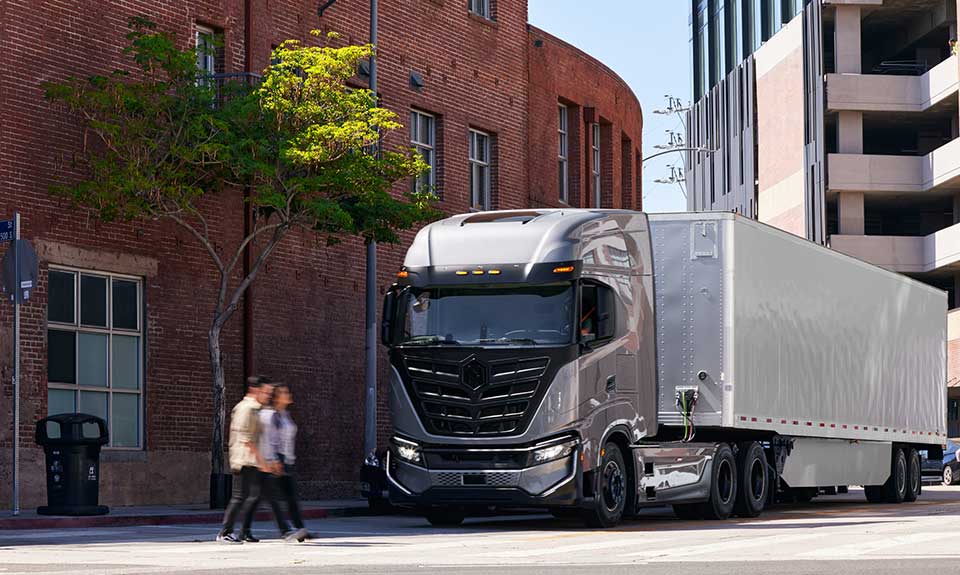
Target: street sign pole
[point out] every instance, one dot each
(16, 364)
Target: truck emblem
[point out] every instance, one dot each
(474, 375)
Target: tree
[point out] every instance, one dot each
(299, 146)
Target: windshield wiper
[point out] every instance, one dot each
(523, 340)
(430, 340)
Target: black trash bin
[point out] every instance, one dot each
(71, 442)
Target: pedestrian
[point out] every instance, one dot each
(275, 425)
(246, 462)
(284, 433)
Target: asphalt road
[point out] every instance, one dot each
(839, 534)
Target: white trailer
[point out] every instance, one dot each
(600, 361)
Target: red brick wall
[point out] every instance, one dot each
(559, 73)
(308, 305)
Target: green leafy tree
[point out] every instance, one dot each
(298, 145)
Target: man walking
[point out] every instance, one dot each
(245, 460)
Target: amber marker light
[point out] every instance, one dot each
(478, 272)
(563, 269)
(461, 273)
(403, 274)
(493, 272)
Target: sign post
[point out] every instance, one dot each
(19, 287)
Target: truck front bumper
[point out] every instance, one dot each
(556, 483)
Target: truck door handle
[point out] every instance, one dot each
(611, 383)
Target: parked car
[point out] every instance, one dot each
(946, 470)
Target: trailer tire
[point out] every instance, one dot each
(444, 516)
(754, 484)
(723, 484)
(895, 488)
(913, 475)
(611, 498)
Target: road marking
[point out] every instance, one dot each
(592, 546)
(855, 550)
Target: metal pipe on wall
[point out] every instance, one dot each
(370, 407)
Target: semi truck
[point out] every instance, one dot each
(595, 362)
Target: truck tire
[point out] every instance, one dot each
(895, 489)
(723, 484)
(754, 483)
(444, 516)
(913, 475)
(611, 499)
(947, 478)
(875, 493)
(688, 511)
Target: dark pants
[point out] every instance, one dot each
(246, 494)
(249, 487)
(287, 490)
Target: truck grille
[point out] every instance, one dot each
(473, 397)
(475, 479)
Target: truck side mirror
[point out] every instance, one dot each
(387, 320)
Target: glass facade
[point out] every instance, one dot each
(724, 32)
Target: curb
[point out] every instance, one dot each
(212, 517)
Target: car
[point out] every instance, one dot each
(946, 470)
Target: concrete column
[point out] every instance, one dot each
(850, 132)
(848, 39)
(850, 206)
(956, 208)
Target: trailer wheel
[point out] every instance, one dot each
(913, 475)
(444, 516)
(723, 484)
(754, 483)
(611, 497)
(895, 488)
(947, 475)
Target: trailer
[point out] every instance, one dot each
(600, 361)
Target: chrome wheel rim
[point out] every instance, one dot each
(613, 486)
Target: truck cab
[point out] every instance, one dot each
(522, 363)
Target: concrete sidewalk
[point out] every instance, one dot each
(171, 515)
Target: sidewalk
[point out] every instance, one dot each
(170, 515)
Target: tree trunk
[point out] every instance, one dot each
(216, 365)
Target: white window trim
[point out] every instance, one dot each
(430, 176)
(563, 152)
(109, 331)
(596, 160)
(476, 164)
(481, 8)
(210, 59)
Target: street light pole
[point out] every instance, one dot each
(370, 408)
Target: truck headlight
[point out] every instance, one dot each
(408, 451)
(553, 452)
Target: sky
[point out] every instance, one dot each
(646, 42)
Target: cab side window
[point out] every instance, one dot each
(597, 317)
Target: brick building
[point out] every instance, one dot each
(511, 117)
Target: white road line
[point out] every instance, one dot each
(856, 550)
(558, 548)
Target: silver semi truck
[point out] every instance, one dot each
(594, 362)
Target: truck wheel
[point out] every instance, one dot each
(947, 475)
(688, 510)
(752, 471)
(723, 484)
(913, 476)
(895, 488)
(444, 517)
(611, 497)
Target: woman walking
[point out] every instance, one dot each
(283, 432)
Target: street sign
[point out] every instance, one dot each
(26, 260)
(6, 231)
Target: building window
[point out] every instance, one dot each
(481, 8)
(595, 146)
(206, 51)
(95, 350)
(563, 156)
(479, 170)
(423, 138)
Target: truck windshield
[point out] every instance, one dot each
(500, 315)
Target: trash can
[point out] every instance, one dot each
(71, 442)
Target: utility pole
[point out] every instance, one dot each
(370, 408)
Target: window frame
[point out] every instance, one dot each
(431, 176)
(480, 165)
(481, 8)
(596, 160)
(604, 296)
(77, 328)
(209, 58)
(563, 152)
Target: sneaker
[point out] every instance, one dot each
(298, 535)
(228, 538)
(249, 538)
